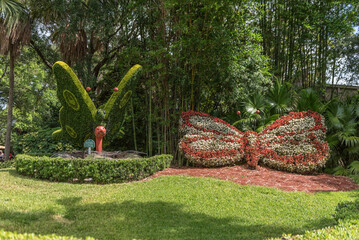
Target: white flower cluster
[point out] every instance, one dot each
(286, 148)
(294, 125)
(215, 144)
(208, 123)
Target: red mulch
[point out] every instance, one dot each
(263, 176)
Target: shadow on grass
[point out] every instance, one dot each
(141, 220)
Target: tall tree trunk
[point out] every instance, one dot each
(10, 103)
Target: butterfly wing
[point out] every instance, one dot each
(295, 143)
(209, 141)
(115, 107)
(77, 114)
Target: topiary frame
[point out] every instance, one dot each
(78, 114)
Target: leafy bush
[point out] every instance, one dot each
(347, 210)
(41, 143)
(97, 171)
(7, 164)
(345, 230)
(4, 235)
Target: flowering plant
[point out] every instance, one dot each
(209, 141)
(294, 142)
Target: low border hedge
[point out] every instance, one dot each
(5, 235)
(90, 170)
(7, 164)
(345, 230)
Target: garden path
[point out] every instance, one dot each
(263, 176)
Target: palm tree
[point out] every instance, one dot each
(15, 31)
(310, 100)
(280, 98)
(342, 122)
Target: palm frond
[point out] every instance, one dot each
(10, 11)
(309, 100)
(253, 103)
(349, 141)
(280, 98)
(354, 167)
(341, 171)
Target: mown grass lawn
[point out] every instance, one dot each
(171, 207)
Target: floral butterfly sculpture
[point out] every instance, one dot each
(293, 143)
(78, 115)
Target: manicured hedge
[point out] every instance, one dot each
(4, 235)
(7, 164)
(347, 211)
(345, 230)
(78, 114)
(91, 170)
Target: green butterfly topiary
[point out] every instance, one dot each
(78, 114)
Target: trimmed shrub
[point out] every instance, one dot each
(345, 230)
(7, 164)
(347, 211)
(88, 170)
(4, 235)
(78, 114)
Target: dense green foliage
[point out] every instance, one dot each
(7, 164)
(98, 170)
(170, 207)
(202, 55)
(347, 211)
(300, 37)
(78, 114)
(5, 235)
(35, 103)
(343, 231)
(41, 143)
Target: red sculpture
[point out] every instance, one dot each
(100, 132)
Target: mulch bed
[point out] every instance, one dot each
(263, 176)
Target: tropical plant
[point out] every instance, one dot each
(280, 98)
(309, 99)
(260, 110)
(15, 31)
(342, 122)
